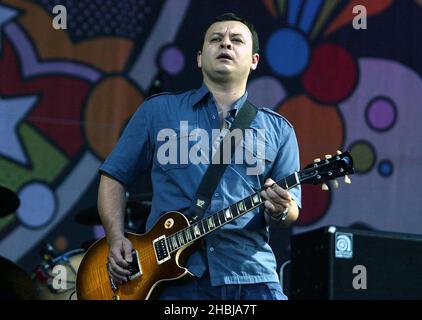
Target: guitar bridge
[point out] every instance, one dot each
(134, 268)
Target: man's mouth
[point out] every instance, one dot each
(224, 56)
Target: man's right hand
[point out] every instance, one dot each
(119, 259)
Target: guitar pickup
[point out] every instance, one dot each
(162, 252)
(135, 267)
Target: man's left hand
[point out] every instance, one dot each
(277, 199)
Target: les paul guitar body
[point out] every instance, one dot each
(93, 280)
(161, 254)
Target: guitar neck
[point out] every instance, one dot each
(215, 221)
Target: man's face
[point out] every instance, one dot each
(227, 52)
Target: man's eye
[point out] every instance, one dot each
(215, 39)
(237, 40)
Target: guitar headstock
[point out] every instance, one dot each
(327, 169)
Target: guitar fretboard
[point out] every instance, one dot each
(209, 224)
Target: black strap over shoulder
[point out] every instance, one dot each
(217, 167)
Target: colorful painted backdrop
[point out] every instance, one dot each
(65, 96)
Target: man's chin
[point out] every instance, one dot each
(224, 70)
(222, 74)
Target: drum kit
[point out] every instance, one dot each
(54, 278)
(14, 282)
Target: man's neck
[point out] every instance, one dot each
(225, 95)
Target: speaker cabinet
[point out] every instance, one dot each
(342, 263)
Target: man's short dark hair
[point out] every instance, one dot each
(233, 17)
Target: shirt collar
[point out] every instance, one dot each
(203, 91)
(239, 103)
(199, 94)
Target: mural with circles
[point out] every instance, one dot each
(66, 95)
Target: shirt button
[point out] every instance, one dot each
(211, 249)
(213, 116)
(216, 194)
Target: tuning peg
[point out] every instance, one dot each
(339, 152)
(347, 179)
(317, 160)
(324, 187)
(328, 156)
(334, 183)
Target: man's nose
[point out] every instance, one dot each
(226, 43)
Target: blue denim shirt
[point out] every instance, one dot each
(238, 252)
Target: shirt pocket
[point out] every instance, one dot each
(257, 163)
(173, 146)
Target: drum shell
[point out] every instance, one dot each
(56, 280)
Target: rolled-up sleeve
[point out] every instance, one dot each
(287, 161)
(133, 152)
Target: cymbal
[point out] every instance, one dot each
(15, 283)
(9, 201)
(134, 210)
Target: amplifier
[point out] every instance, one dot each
(342, 263)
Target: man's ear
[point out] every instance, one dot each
(255, 60)
(199, 59)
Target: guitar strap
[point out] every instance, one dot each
(212, 176)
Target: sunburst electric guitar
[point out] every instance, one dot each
(160, 255)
